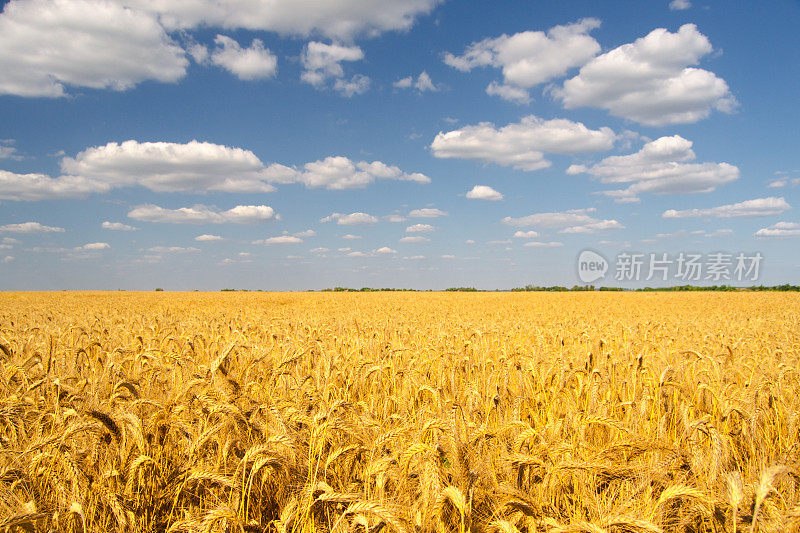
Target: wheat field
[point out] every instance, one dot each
(400, 412)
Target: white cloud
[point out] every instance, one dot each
(661, 166)
(680, 5)
(427, 212)
(448, 256)
(30, 227)
(201, 214)
(172, 167)
(305, 233)
(282, 239)
(7, 259)
(651, 80)
(320, 250)
(521, 145)
(593, 227)
(783, 182)
(358, 84)
(174, 250)
(395, 218)
(422, 83)
(338, 173)
(484, 192)
(250, 63)
(7, 150)
(385, 250)
(117, 226)
(357, 254)
(353, 219)
(192, 167)
(350, 237)
(780, 229)
(93, 246)
(718, 233)
(340, 19)
(208, 238)
(323, 62)
(572, 221)
(10, 240)
(36, 187)
(420, 228)
(526, 234)
(509, 93)
(537, 244)
(415, 238)
(759, 207)
(48, 45)
(530, 58)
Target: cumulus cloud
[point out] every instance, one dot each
(174, 250)
(484, 192)
(510, 93)
(194, 167)
(201, 214)
(37, 187)
(652, 80)
(342, 19)
(422, 83)
(351, 237)
(385, 250)
(680, 5)
(9, 240)
(780, 229)
(530, 58)
(93, 247)
(783, 182)
(353, 219)
(30, 227)
(758, 207)
(305, 233)
(323, 62)
(526, 234)
(281, 239)
(47, 46)
(427, 212)
(7, 150)
(419, 228)
(538, 244)
(208, 238)
(171, 167)
(251, 63)
(338, 173)
(117, 226)
(571, 221)
(7, 259)
(358, 84)
(593, 227)
(415, 238)
(661, 166)
(521, 145)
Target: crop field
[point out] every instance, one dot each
(400, 412)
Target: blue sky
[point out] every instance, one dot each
(406, 143)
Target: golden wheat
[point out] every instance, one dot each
(399, 412)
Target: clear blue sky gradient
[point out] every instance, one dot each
(283, 120)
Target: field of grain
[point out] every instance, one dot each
(399, 412)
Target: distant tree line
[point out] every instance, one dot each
(558, 288)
